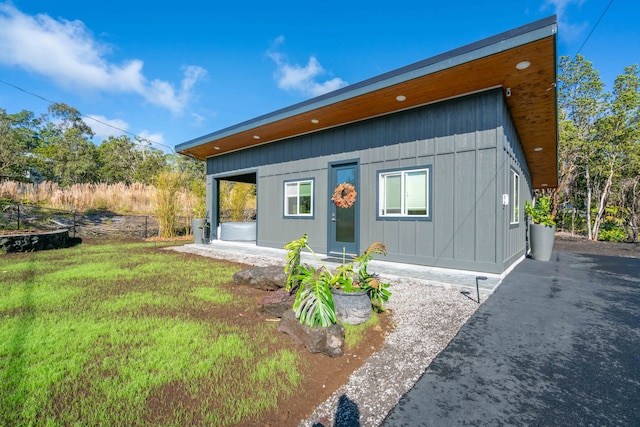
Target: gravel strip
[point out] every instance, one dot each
(243, 258)
(426, 317)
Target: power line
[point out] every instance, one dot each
(594, 27)
(88, 117)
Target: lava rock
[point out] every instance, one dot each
(328, 340)
(265, 278)
(276, 303)
(34, 241)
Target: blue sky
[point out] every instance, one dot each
(171, 74)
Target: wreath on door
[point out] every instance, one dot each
(344, 196)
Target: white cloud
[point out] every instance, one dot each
(302, 79)
(104, 127)
(67, 52)
(570, 31)
(197, 119)
(156, 139)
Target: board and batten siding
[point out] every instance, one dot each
(514, 240)
(463, 140)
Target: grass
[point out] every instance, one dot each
(126, 334)
(355, 334)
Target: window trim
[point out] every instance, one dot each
(381, 174)
(310, 215)
(514, 196)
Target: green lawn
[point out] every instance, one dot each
(122, 333)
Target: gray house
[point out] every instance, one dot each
(435, 159)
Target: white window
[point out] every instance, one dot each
(298, 198)
(515, 197)
(404, 193)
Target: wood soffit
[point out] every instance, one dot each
(530, 95)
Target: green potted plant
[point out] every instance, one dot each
(321, 292)
(542, 228)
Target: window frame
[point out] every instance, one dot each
(514, 196)
(285, 199)
(403, 173)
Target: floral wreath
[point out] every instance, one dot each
(344, 196)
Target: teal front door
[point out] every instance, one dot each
(343, 209)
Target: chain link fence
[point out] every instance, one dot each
(94, 224)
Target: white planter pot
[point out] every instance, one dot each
(541, 238)
(238, 231)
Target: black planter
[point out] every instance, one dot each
(352, 308)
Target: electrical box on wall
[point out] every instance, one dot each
(505, 199)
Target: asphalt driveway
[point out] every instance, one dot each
(557, 344)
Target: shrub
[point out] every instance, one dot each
(612, 233)
(168, 185)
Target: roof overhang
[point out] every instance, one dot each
(521, 61)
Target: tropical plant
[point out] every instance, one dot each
(313, 304)
(378, 291)
(540, 211)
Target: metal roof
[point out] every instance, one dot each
(489, 63)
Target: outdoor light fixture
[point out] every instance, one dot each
(544, 185)
(537, 149)
(256, 137)
(315, 121)
(507, 92)
(401, 98)
(478, 286)
(523, 65)
(216, 148)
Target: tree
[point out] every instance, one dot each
(580, 98)
(191, 168)
(19, 134)
(630, 193)
(66, 153)
(152, 162)
(617, 136)
(566, 167)
(118, 160)
(124, 160)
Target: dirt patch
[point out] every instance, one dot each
(83, 224)
(565, 242)
(321, 375)
(14, 232)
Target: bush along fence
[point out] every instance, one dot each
(97, 224)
